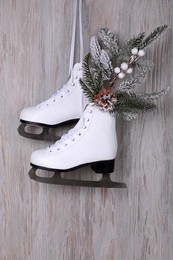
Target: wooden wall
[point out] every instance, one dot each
(49, 222)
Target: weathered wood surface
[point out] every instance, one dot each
(41, 222)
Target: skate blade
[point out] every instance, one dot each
(57, 179)
(44, 135)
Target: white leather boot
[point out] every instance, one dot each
(92, 141)
(68, 103)
(65, 106)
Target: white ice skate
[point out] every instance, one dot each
(92, 142)
(65, 106)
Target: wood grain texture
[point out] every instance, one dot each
(41, 222)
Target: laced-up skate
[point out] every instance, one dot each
(91, 142)
(65, 106)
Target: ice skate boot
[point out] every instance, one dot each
(65, 106)
(68, 103)
(91, 142)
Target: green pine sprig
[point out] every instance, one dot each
(129, 105)
(153, 36)
(125, 51)
(139, 42)
(92, 79)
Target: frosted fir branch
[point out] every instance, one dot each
(154, 96)
(106, 65)
(153, 36)
(144, 65)
(139, 77)
(127, 116)
(100, 58)
(109, 40)
(105, 61)
(141, 69)
(127, 85)
(95, 50)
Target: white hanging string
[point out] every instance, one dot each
(80, 31)
(78, 3)
(73, 38)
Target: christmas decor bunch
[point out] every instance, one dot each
(111, 74)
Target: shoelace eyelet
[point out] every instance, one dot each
(62, 96)
(84, 127)
(87, 119)
(90, 111)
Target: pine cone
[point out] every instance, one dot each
(105, 99)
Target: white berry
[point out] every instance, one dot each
(134, 51)
(117, 70)
(129, 71)
(141, 53)
(121, 75)
(124, 66)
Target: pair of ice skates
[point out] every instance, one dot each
(91, 142)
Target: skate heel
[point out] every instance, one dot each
(103, 166)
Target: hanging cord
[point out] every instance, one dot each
(81, 31)
(78, 3)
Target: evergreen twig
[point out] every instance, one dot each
(109, 40)
(90, 80)
(153, 36)
(95, 50)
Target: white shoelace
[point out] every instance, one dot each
(66, 139)
(72, 135)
